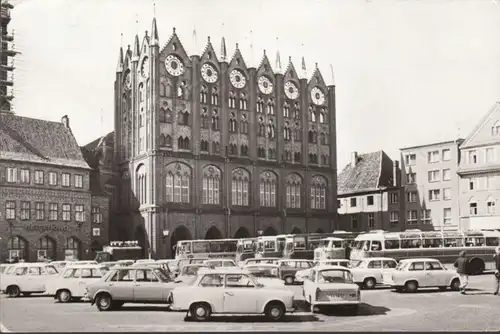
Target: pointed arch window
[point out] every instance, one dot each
(293, 191)
(260, 105)
(262, 127)
(161, 140)
(233, 149)
(141, 184)
(271, 154)
(318, 193)
(232, 100)
(215, 97)
(296, 111)
(322, 138)
(312, 115)
(168, 141)
(148, 91)
(211, 185)
(240, 187)
(215, 147)
(313, 137)
(177, 187)
(244, 150)
(163, 89)
(215, 120)
(232, 123)
(73, 248)
(325, 159)
(243, 102)
(297, 157)
(288, 155)
(287, 133)
(244, 124)
(268, 189)
(297, 132)
(203, 94)
(313, 158)
(270, 107)
(322, 116)
(204, 118)
(183, 117)
(271, 130)
(183, 143)
(261, 152)
(180, 92)
(286, 110)
(204, 145)
(141, 92)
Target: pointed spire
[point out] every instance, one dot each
(119, 67)
(195, 41)
(333, 76)
(278, 68)
(303, 66)
(223, 51)
(252, 56)
(136, 48)
(154, 33)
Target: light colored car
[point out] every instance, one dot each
(218, 263)
(140, 284)
(145, 261)
(4, 266)
(369, 272)
(71, 284)
(332, 286)
(188, 273)
(82, 262)
(172, 265)
(413, 274)
(289, 267)
(267, 274)
(27, 278)
(60, 264)
(302, 274)
(264, 260)
(230, 290)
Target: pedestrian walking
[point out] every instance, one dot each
(496, 257)
(462, 270)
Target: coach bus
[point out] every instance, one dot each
(245, 249)
(204, 249)
(270, 246)
(444, 246)
(302, 246)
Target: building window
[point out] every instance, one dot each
(446, 194)
(211, 184)
(141, 184)
(78, 181)
(411, 178)
(25, 210)
(433, 175)
(394, 217)
(426, 216)
(39, 177)
(53, 208)
(490, 206)
(411, 196)
(268, 189)
(434, 195)
(79, 213)
(473, 209)
(393, 198)
(72, 250)
(17, 247)
(495, 130)
(178, 187)
(433, 157)
(446, 154)
(40, 210)
(293, 191)
(446, 174)
(318, 193)
(369, 200)
(472, 157)
(47, 249)
(353, 202)
(410, 159)
(25, 176)
(412, 217)
(52, 179)
(11, 175)
(66, 212)
(96, 232)
(240, 186)
(490, 154)
(472, 183)
(354, 222)
(96, 215)
(371, 220)
(339, 204)
(65, 180)
(446, 216)
(10, 209)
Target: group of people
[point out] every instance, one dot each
(462, 265)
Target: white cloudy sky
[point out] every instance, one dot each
(408, 72)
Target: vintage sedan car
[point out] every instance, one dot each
(264, 260)
(27, 278)
(289, 267)
(302, 274)
(267, 274)
(60, 264)
(140, 284)
(172, 265)
(188, 272)
(230, 290)
(332, 286)
(218, 263)
(413, 274)
(71, 284)
(369, 272)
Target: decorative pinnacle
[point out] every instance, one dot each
(174, 30)
(237, 46)
(208, 39)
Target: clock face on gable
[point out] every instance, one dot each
(317, 96)
(209, 73)
(174, 65)
(265, 85)
(291, 90)
(237, 78)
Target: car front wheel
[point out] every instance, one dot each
(275, 311)
(64, 296)
(13, 291)
(411, 286)
(200, 312)
(104, 302)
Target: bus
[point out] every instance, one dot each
(330, 248)
(245, 249)
(270, 246)
(205, 249)
(120, 250)
(444, 246)
(302, 246)
(349, 237)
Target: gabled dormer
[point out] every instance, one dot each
(209, 61)
(317, 89)
(175, 47)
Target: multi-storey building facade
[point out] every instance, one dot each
(429, 175)
(370, 196)
(46, 207)
(479, 172)
(6, 58)
(206, 147)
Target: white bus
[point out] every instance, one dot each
(444, 246)
(245, 249)
(270, 246)
(205, 249)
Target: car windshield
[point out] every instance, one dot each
(161, 274)
(190, 270)
(264, 272)
(9, 270)
(401, 265)
(335, 276)
(51, 270)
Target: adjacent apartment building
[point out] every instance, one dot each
(479, 172)
(370, 196)
(429, 176)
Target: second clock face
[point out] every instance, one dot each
(174, 65)
(317, 96)
(237, 79)
(209, 73)
(265, 85)
(291, 90)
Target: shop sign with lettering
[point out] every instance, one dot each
(46, 228)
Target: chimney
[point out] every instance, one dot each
(354, 158)
(65, 121)
(396, 175)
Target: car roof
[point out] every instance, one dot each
(209, 260)
(132, 267)
(378, 258)
(294, 260)
(420, 259)
(83, 266)
(270, 265)
(326, 267)
(33, 264)
(333, 260)
(224, 270)
(264, 259)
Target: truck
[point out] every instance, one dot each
(120, 250)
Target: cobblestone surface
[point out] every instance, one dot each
(382, 310)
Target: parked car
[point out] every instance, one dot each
(369, 272)
(27, 278)
(332, 286)
(230, 290)
(59, 264)
(289, 267)
(413, 274)
(140, 284)
(264, 260)
(266, 274)
(302, 274)
(188, 272)
(172, 265)
(218, 263)
(71, 284)
(4, 266)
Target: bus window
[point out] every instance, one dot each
(299, 243)
(289, 246)
(391, 244)
(260, 246)
(453, 242)
(411, 243)
(215, 246)
(433, 243)
(201, 247)
(474, 242)
(313, 244)
(376, 246)
(184, 247)
(269, 245)
(337, 244)
(492, 241)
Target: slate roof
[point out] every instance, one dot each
(35, 140)
(92, 153)
(364, 176)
